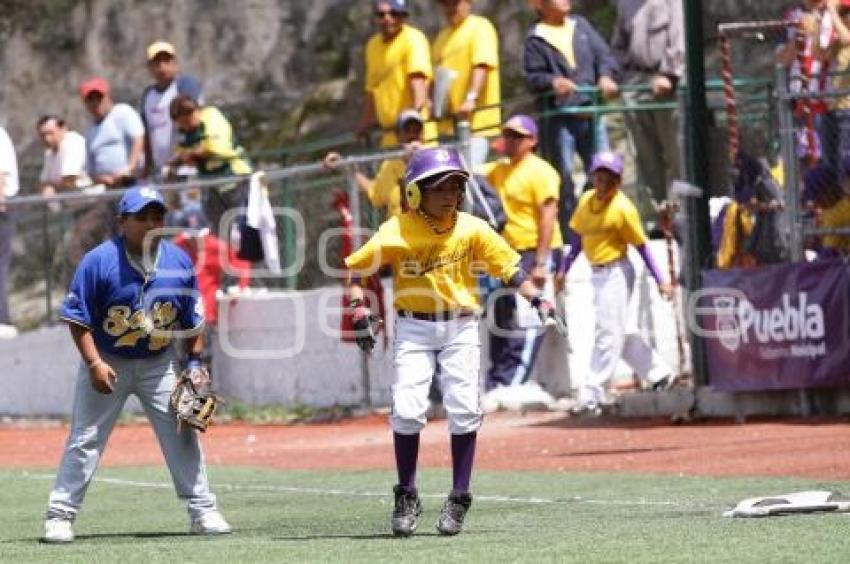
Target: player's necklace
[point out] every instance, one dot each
(601, 206)
(430, 221)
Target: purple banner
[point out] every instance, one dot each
(776, 327)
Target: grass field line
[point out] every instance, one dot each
(358, 493)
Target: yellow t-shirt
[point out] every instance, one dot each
(560, 37)
(432, 272)
(473, 42)
(389, 65)
(841, 81)
(837, 215)
(523, 188)
(385, 190)
(607, 228)
(215, 136)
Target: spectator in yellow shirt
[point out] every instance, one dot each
(466, 53)
(528, 187)
(207, 143)
(825, 197)
(385, 190)
(398, 73)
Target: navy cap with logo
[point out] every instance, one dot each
(136, 199)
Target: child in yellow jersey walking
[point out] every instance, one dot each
(605, 223)
(436, 253)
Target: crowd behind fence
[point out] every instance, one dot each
(309, 188)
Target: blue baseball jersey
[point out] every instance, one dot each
(130, 313)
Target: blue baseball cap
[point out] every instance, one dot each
(136, 199)
(395, 5)
(609, 160)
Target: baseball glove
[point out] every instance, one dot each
(193, 400)
(364, 325)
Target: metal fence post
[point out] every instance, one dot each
(463, 130)
(290, 282)
(48, 286)
(789, 162)
(356, 241)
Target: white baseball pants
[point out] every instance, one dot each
(94, 415)
(418, 347)
(616, 335)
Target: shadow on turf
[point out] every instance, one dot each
(604, 452)
(375, 536)
(128, 536)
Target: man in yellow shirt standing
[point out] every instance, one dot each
(398, 73)
(528, 187)
(605, 223)
(436, 253)
(467, 49)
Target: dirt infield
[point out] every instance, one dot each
(810, 448)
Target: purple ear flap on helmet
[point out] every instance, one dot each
(428, 163)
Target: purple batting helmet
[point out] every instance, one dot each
(428, 165)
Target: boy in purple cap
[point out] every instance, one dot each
(130, 299)
(605, 223)
(436, 253)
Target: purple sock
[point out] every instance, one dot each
(463, 454)
(406, 455)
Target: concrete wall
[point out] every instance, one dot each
(283, 348)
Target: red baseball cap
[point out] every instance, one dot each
(96, 84)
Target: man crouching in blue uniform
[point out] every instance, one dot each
(129, 297)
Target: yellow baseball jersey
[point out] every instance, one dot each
(385, 190)
(433, 273)
(389, 65)
(471, 43)
(523, 188)
(560, 37)
(837, 215)
(215, 136)
(606, 228)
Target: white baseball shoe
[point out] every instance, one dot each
(58, 531)
(210, 523)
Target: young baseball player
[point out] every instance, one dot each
(127, 299)
(605, 223)
(436, 253)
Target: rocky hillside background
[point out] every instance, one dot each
(285, 70)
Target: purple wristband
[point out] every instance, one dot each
(569, 258)
(650, 263)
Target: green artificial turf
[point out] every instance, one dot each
(132, 515)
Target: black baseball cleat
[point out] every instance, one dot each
(666, 384)
(406, 513)
(453, 512)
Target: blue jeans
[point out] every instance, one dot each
(561, 139)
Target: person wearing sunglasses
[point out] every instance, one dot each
(398, 73)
